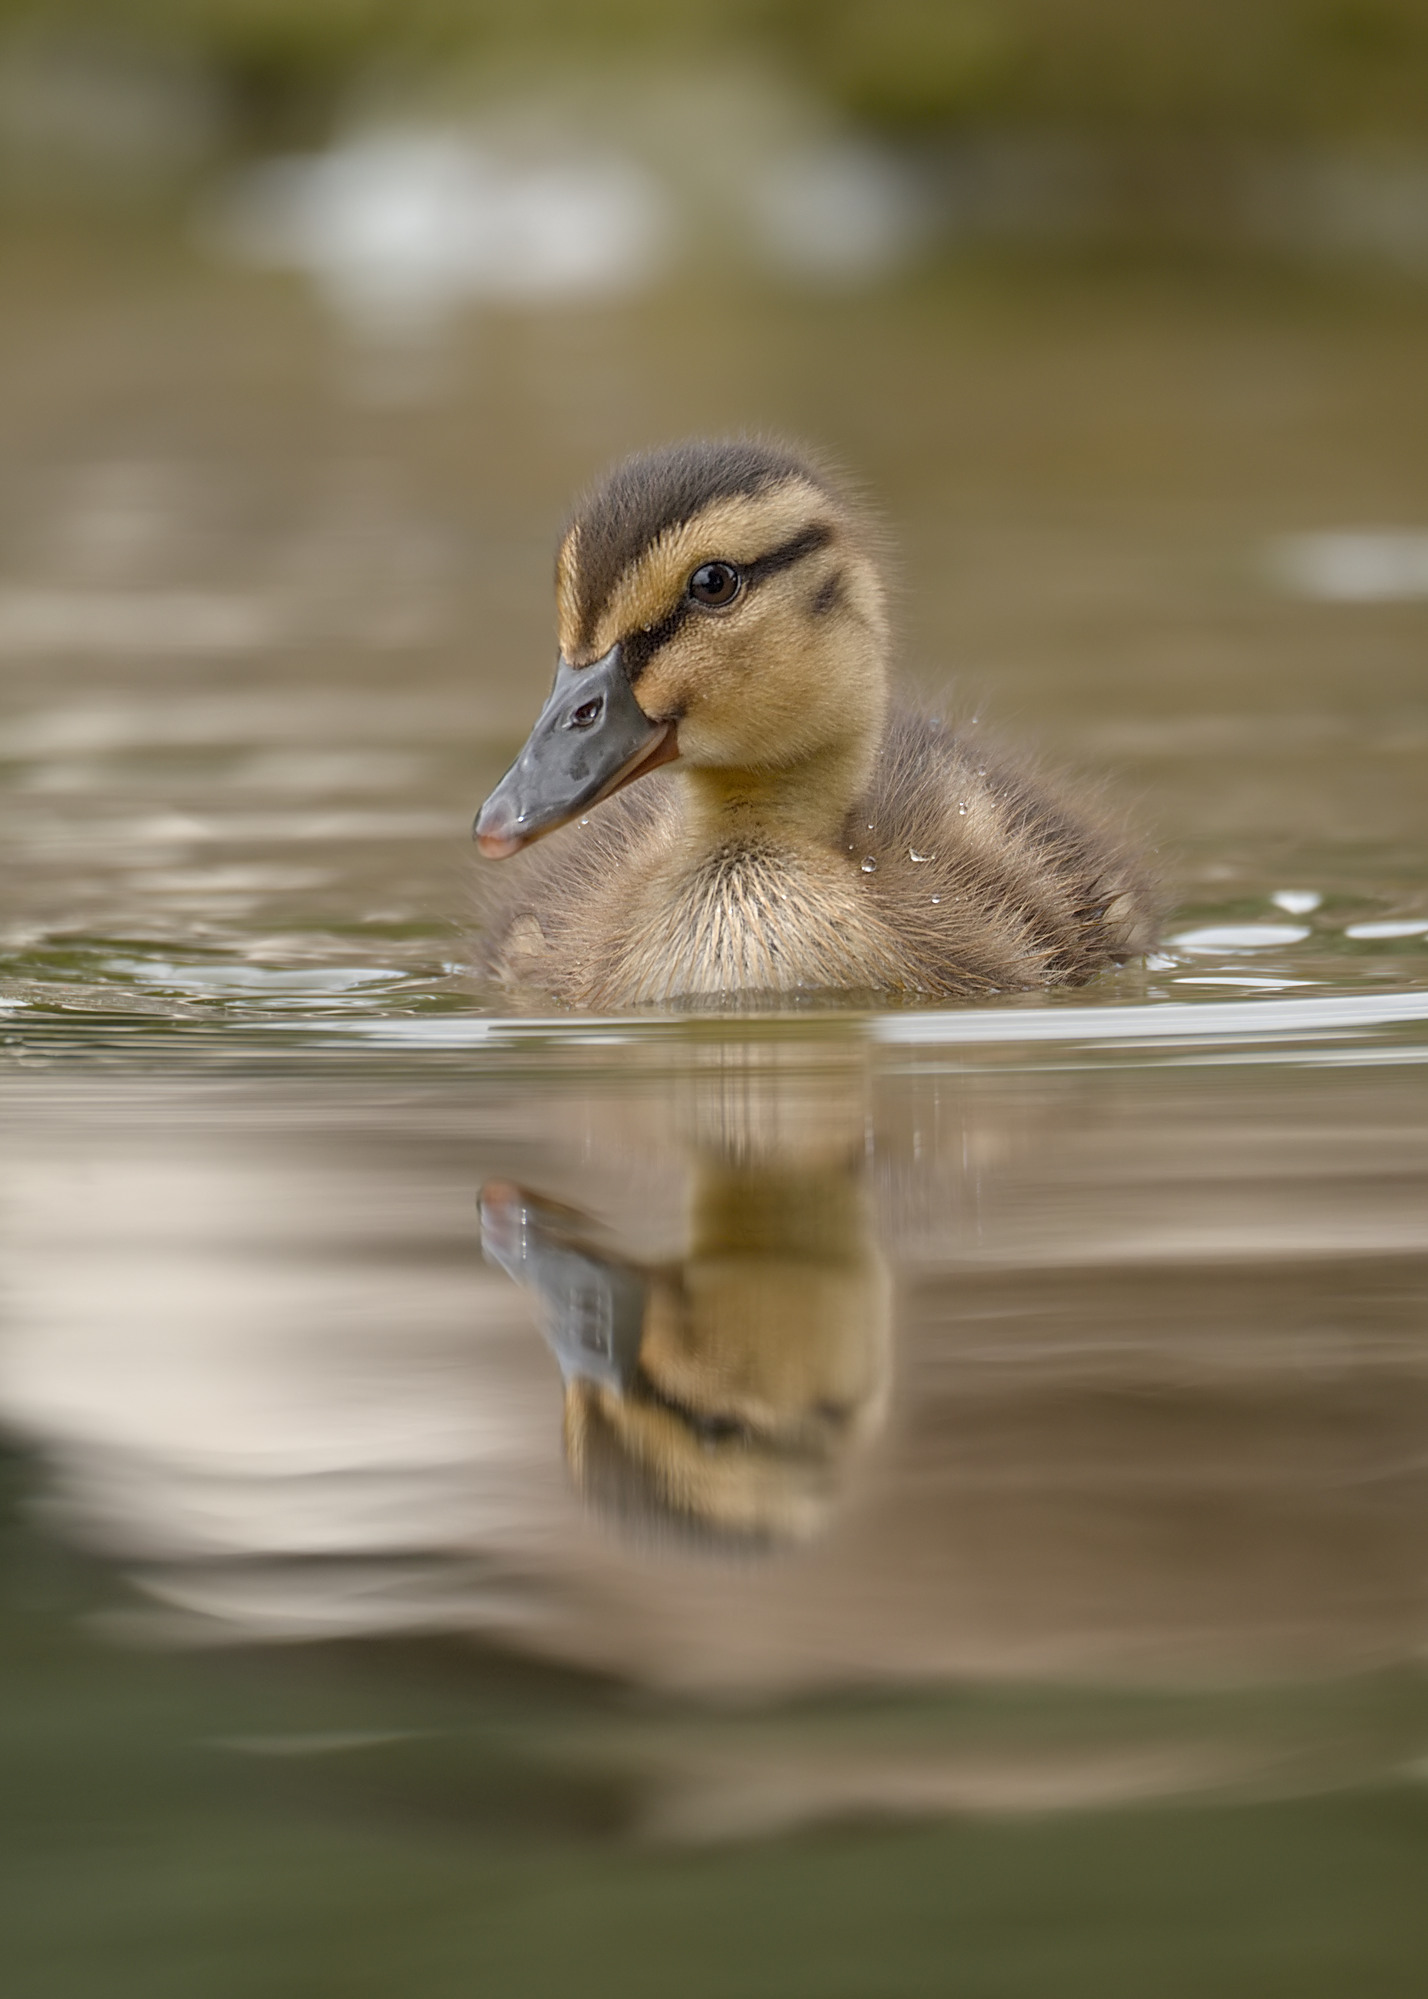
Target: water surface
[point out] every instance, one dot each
(905, 1503)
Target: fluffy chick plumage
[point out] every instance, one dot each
(892, 853)
(985, 876)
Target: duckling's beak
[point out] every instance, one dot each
(591, 737)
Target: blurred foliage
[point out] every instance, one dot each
(1281, 67)
(1192, 64)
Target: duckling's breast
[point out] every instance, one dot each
(756, 919)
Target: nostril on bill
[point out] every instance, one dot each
(587, 713)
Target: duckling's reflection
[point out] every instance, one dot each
(724, 1394)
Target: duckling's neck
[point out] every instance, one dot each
(802, 807)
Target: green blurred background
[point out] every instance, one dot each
(1207, 70)
(1176, 93)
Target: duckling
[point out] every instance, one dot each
(724, 641)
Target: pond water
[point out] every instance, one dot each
(828, 1503)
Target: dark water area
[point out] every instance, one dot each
(835, 1502)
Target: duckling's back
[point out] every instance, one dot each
(991, 876)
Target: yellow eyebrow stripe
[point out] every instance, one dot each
(567, 587)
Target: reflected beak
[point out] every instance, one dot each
(592, 1307)
(591, 737)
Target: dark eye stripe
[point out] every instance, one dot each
(791, 552)
(640, 647)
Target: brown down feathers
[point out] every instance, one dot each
(1023, 889)
(809, 840)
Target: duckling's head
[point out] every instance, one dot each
(718, 602)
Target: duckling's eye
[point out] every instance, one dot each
(587, 713)
(715, 583)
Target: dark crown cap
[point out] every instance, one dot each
(654, 490)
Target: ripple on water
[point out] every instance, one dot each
(1374, 932)
(1239, 937)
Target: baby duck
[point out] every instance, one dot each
(722, 623)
